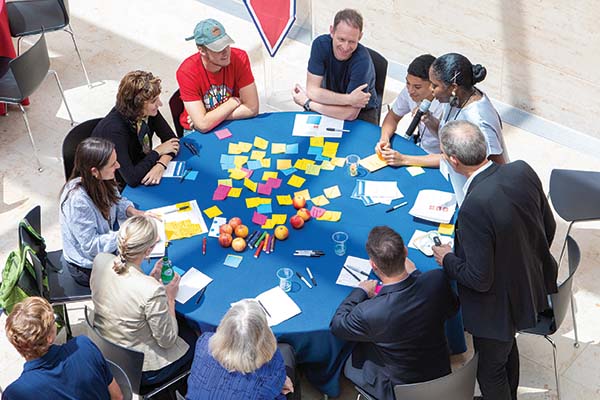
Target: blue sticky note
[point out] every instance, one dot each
(314, 119)
(191, 176)
(320, 157)
(227, 159)
(291, 148)
(254, 164)
(315, 150)
(264, 209)
(289, 171)
(233, 260)
(227, 166)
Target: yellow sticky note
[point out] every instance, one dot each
(332, 192)
(239, 161)
(234, 192)
(257, 155)
(330, 149)
(252, 202)
(244, 146)
(269, 174)
(277, 148)
(338, 161)
(250, 184)
(331, 216)
(317, 141)
(183, 207)
(373, 163)
(296, 181)
(446, 229)
(213, 211)
(302, 163)
(264, 200)
(279, 219)
(270, 224)
(284, 164)
(320, 200)
(266, 162)
(304, 193)
(313, 170)
(234, 148)
(284, 199)
(237, 174)
(260, 143)
(225, 182)
(414, 171)
(327, 165)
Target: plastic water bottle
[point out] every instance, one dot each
(166, 274)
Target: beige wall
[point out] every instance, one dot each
(542, 56)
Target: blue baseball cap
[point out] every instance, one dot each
(211, 33)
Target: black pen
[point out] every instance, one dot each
(264, 308)
(186, 144)
(187, 171)
(303, 279)
(337, 130)
(351, 273)
(310, 275)
(201, 294)
(177, 209)
(397, 206)
(194, 149)
(358, 271)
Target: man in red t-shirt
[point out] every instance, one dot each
(215, 84)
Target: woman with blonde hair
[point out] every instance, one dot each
(132, 123)
(242, 359)
(136, 310)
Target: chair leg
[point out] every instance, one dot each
(576, 344)
(69, 30)
(19, 46)
(67, 322)
(35, 152)
(555, 366)
(62, 93)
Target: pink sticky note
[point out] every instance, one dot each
(248, 172)
(274, 182)
(259, 218)
(316, 212)
(221, 192)
(223, 133)
(264, 188)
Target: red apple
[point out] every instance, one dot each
(225, 239)
(298, 202)
(304, 214)
(297, 222)
(238, 244)
(235, 222)
(241, 231)
(281, 232)
(225, 228)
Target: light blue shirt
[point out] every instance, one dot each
(84, 230)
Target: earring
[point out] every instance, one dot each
(454, 102)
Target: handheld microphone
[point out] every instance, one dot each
(423, 108)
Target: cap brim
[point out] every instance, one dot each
(219, 44)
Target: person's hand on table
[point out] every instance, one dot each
(393, 157)
(359, 98)
(288, 386)
(173, 287)
(299, 95)
(153, 176)
(409, 266)
(383, 144)
(168, 147)
(439, 252)
(369, 287)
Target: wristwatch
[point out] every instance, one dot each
(307, 105)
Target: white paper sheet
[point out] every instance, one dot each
(434, 205)
(159, 248)
(355, 265)
(303, 128)
(191, 283)
(420, 241)
(175, 169)
(279, 305)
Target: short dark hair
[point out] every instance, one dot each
(419, 67)
(385, 248)
(349, 16)
(456, 68)
(465, 141)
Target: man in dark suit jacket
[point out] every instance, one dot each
(501, 257)
(399, 331)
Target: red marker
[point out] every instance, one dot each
(203, 246)
(258, 249)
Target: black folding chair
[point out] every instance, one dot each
(176, 106)
(72, 140)
(381, 66)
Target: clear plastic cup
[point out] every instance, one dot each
(352, 162)
(339, 240)
(285, 278)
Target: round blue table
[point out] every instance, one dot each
(316, 348)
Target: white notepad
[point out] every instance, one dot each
(279, 306)
(191, 283)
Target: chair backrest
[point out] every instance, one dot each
(176, 106)
(31, 67)
(122, 380)
(575, 194)
(33, 239)
(560, 300)
(459, 385)
(72, 140)
(30, 17)
(130, 361)
(381, 66)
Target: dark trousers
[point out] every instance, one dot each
(369, 115)
(289, 359)
(498, 368)
(80, 275)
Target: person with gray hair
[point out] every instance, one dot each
(501, 258)
(399, 332)
(242, 359)
(137, 311)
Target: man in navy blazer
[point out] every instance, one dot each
(400, 330)
(501, 257)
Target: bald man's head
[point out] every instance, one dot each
(463, 140)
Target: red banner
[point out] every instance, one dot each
(273, 19)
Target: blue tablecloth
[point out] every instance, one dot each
(316, 347)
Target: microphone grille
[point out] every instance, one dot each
(425, 104)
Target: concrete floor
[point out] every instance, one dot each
(113, 43)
